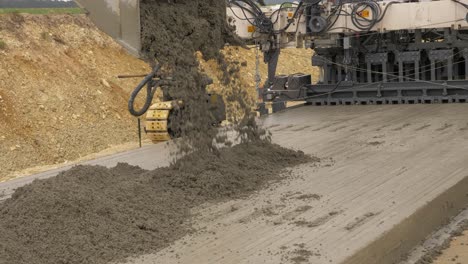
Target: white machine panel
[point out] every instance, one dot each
(417, 15)
(243, 21)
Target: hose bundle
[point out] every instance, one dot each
(376, 15)
(263, 23)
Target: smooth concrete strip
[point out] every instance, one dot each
(394, 245)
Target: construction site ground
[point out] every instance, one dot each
(388, 177)
(457, 252)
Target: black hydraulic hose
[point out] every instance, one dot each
(281, 8)
(252, 5)
(359, 20)
(365, 24)
(294, 17)
(385, 10)
(261, 2)
(240, 18)
(260, 20)
(337, 13)
(244, 9)
(463, 4)
(150, 90)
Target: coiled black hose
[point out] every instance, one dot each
(151, 87)
(263, 23)
(292, 19)
(463, 4)
(260, 20)
(376, 14)
(261, 2)
(362, 22)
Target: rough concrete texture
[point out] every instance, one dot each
(93, 214)
(398, 190)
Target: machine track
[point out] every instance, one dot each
(159, 121)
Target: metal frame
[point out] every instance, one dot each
(389, 93)
(120, 19)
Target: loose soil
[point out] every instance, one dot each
(453, 251)
(59, 96)
(92, 214)
(457, 252)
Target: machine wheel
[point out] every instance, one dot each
(163, 121)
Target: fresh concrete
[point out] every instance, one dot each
(389, 176)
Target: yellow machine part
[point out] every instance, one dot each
(157, 121)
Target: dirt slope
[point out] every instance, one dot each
(59, 96)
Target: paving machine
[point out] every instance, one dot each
(368, 51)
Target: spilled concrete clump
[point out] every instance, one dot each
(92, 214)
(172, 33)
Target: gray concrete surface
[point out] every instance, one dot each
(389, 176)
(148, 157)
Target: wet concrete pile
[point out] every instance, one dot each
(172, 33)
(98, 215)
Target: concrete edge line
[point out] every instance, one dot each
(394, 245)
